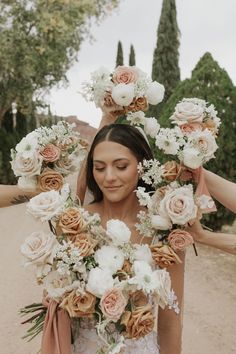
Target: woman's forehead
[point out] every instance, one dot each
(111, 150)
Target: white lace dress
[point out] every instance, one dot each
(88, 342)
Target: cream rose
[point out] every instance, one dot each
(188, 112)
(125, 75)
(179, 205)
(113, 304)
(46, 205)
(180, 239)
(191, 127)
(160, 222)
(205, 142)
(50, 153)
(27, 167)
(50, 180)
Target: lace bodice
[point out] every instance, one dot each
(88, 342)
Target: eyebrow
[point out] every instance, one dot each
(116, 160)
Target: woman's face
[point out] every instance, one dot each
(115, 170)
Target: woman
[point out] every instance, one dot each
(112, 178)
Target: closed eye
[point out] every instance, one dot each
(121, 167)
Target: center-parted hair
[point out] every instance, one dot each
(125, 135)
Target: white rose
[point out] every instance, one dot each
(188, 112)
(155, 93)
(28, 145)
(179, 205)
(160, 222)
(99, 280)
(151, 127)
(118, 231)
(46, 205)
(143, 253)
(191, 158)
(27, 183)
(205, 142)
(38, 250)
(109, 257)
(123, 94)
(27, 167)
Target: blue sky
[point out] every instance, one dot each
(205, 25)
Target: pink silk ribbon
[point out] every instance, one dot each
(56, 337)
(202, 188)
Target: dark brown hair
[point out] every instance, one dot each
(125, 135)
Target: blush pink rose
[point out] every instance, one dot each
(191, 127)
(125, 75)
(180, 239)
(113, 304)
(50, 153)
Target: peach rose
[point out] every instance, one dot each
(191, 127)
(180, 239)
(139, 322)
(50, 180)
(164, 256)
(71, 222)
(50, 153)
(125, 75)
(113, 304)
(82, 305)
(171, 171)
(85, 243)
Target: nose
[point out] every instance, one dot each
(110, 174)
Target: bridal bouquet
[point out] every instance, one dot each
(96, 273)
(171, 206)
(128, 88)
(46, 155)
(193, 139)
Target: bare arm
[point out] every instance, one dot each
(11, 195)
(222, 241)
(170, 323)
(222, 190)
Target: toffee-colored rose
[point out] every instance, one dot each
(81, 305)
(164, 256)
(138, 104)
(50, 153)
(50, 180)
(125, 75)
(85, 243)
(138, 299)
(139, 322)
(180, 239)
(171, 171)
(113, 304)
(71, 222)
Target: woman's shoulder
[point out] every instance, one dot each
(93, 207)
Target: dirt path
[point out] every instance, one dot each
(210, 293)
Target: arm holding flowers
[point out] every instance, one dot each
(12, 194)
(170, 323)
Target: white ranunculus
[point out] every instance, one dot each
(118, 231)
(46, 205)
(179, 205)
(144, 277)
(27, 183)
(27, 167)
(161, 222)
(188, 111)
(38, 250)
(155, 93)
(99, 280)
(151, 127)
(109, 257)
(191, 157)
(143, 253)
(123, 94)
(28, 145)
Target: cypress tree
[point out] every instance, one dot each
(132, 56)
(165, 66)
(212, 83)
(119, 56)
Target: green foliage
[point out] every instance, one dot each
(39, 40)
(119, 55)
(132, 61)
(165, 66)
(212, 83)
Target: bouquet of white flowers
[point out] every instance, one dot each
(128, 89)
(97, 273)
(46, 155)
